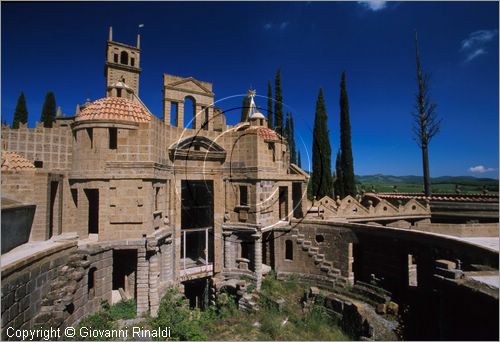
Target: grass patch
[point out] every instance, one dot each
(106, 319)
(224, 321)
(126, 309)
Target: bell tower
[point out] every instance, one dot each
(122, 64)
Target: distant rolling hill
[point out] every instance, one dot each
(467, 184)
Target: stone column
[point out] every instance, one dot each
(166, 111)
(163, 263)
(258, 259)
(169, 262)
(210, 124)
(142, 282)
(199, 118)
(180, 114)
(154, 301)
(227, 249)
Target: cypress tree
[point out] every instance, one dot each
(245, 108)
(270, 122)
(291, 141)
(338, 185)
(346, 160)
(299, 162)
(286, 131)
(21, 113)
(321, 156)
(278, 104)
(49, 110)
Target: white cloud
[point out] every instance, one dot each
(276, 26)
(374, 5)
(478, 38)
(481, 169)
(474, 45)
(474, 54)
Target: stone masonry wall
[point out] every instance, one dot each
(50, 287)
(30, 187)
(53, 145)
(317, 250)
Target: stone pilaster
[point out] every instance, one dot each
(154, 301)
(180, 114)
(142, 282)
(227, 250)
(166, 111)
(258, 259)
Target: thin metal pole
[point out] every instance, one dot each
(206, 246)
(184, 243)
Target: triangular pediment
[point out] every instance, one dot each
(384, 208)
(190, 84)
(414, 207)
(295, 170)
(351, 207)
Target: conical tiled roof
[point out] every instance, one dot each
(11, 161)
(114, 108)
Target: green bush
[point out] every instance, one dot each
(185, 324)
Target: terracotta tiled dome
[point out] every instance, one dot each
(11, 161)
(264, 132)
(114, 108)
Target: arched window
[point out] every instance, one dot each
(288, 250)
(124, 57)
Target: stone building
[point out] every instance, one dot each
(114, 203)
(153, 203)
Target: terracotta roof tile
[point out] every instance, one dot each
(11, 161)
(266, 133)
(114, 108)
(440, 197)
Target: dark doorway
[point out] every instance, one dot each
(197, 204)
(197, 220)
(54, 185)
(93, 218)
(283, 202)
(124, 271)
(197, 292)
(268, 249)
(297, 200)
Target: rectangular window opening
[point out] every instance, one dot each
(243, 195)
(113, 138)
(90, 133)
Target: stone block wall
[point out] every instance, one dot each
(317, 250)
(33, 187)
(52, 146)
(50, 287)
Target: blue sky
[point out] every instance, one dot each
(60, 47)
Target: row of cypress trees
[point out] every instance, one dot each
(275, 121)
(323, 183)
(48, 111)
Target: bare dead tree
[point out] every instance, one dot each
(426, 123)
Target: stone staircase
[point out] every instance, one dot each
(326, 267)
